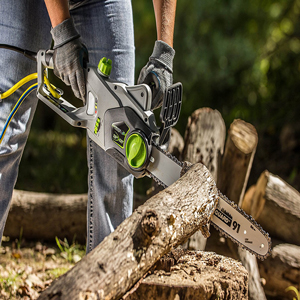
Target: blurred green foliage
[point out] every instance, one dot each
(240, 57)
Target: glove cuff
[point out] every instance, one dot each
(64, 33)
(164, 54)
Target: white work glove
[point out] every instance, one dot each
(158, 72)
(69, 57)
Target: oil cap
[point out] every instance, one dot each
(136, 151)
(104, 66)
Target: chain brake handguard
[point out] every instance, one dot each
(170, 110)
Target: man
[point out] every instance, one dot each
(105, 27)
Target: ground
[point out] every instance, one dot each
(26, 269)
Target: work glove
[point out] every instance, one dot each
(69, 57)
(158, 72)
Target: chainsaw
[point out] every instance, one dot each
(119, 119)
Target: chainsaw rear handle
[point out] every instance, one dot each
(73, 115)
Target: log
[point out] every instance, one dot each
(204, 142)
(176, 144)
(275, 205)
(240, 149)
(198, 275)
(44, 216)
(162, 223)
(281, 270)
(247, 201)
(204, 139)
(237, 161)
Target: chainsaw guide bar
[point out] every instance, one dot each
(241, 228)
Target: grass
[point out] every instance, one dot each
(26, 269)
(72, 253)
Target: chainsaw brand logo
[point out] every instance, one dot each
(119, 132)
(224, 216)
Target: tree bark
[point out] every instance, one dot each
(163, 222)
(281, 270)
(275, 205)
(237, 161)
(197, 275)
(204, 142)
(236, 165)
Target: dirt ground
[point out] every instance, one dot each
(26, 269)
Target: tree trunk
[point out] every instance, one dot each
(281, 271)
(236, 165)
(204, 142)
(193, 275)
(237, 161)
(163, 222)
(275, 205)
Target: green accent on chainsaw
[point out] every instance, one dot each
(136, 152)
(104, 66)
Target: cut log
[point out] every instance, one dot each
(281, 271)
(163, 222)
(194, 275)
(247, 201)
(236, 165)
(176, 144)
(237, 161)
(204, 142)
(204, 139)
(43, 216)
(275, 205)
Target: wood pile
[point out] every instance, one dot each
(272, 202)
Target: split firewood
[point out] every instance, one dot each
(204, 142)
(126, 255)
(275, 205)
(239, 152)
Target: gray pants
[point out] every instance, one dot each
(106, 28)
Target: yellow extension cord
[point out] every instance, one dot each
(23, 81)
(18, 85)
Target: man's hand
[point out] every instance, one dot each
(69, 57)
(158, 72)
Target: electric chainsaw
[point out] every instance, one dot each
(119, 119)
